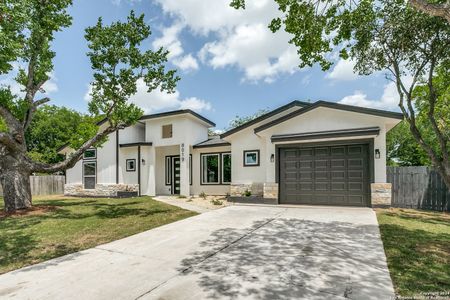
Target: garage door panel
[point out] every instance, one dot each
(327, 175)
(338, 163)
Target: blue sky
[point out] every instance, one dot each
(229, 62)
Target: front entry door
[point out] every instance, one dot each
(176, 175)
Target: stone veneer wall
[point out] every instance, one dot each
(102, 190)
(238, 189)
(271, 190)
(381, 194)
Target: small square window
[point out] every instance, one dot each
(167, 131)
(131, 165)
(90, 154)
(251, 158)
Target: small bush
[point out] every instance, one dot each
(247, 193)
(202, 195)
(216, 202)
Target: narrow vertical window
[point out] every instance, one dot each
(226, 167)
(89, 174)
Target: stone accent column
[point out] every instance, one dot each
(271, 190)
(381, 194)
(184, 170)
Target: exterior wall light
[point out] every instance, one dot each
(272, 158)
(377, 153)
(143, 162)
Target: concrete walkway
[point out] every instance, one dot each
(238, 252)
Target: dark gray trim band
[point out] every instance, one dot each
(212, 145)
(363, 110)
(178, 112)
(325, 134)
(136, 144)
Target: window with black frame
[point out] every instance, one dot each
(210, 168)
(226, 168)
(89, 174)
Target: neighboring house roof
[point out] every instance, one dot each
(62, 147)
(178, 112)
(325, 134)
(333, 105)
(213, 141)
(265, 116)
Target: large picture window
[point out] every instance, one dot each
(89, 174)
(210, 168)
(226, 167)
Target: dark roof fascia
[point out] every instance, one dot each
(224, 144)
(136, 144)
(351, 108)
(265, 116)
(326, 134)
(177, 112)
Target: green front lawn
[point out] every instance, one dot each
(417, 245)
(61, 225)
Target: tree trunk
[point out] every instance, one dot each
(15, 181)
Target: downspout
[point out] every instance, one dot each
(139, 170)
(117, 157)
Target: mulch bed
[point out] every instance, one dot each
(35, 210)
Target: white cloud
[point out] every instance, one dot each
(343, 70)
(171, 42)
(389, 99)
(158, 101)
(237, 37)
(186, 63)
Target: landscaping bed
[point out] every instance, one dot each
(417, 246)
(60, 225)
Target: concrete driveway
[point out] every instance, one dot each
(238, 252)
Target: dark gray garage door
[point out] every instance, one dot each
(326, 175)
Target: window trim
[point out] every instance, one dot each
(222, 168)
(84, 176)
(88, 158)
(126, 165)
(258, 158)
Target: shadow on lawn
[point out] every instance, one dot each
(418, 260)
(439, 218)
(290, 259)
(17, 241)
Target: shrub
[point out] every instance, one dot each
(216, 202)
(202, 195)
(247, 193)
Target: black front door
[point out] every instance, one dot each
(176, 175)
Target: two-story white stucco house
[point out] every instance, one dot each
(300, 153)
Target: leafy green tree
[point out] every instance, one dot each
(238, 120)
(384, 35)
(402, 148)
(51, 128)
(27, 29)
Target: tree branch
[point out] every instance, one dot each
(72, 159)
(31, 110)
(432, 9)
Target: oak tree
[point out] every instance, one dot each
(27, 30)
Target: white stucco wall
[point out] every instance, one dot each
(323, 119)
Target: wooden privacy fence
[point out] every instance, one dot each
(418, 187)
(45, 185)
